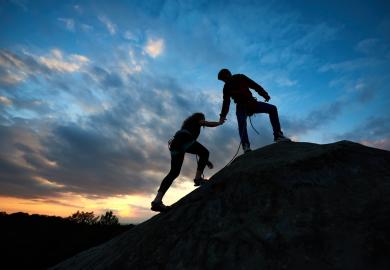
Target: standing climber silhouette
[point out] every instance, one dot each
(183, 142)
(237, 87)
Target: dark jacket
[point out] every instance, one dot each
(237, 88)
(185, 137)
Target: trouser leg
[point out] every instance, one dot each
(242, 127)
(176, 163)
(272, 111)
(198, 149)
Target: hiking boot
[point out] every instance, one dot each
(246, 148)
(279, 137)
(199, 181)
(159, 207)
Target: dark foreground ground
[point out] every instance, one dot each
(285, 206)
(38, 242)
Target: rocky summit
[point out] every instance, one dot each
(284, 206)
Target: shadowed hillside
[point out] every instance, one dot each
(284, 206)
(39, 241)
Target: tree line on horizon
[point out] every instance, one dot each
(33, 241)
(79, 217)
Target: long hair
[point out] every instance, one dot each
(195, 118)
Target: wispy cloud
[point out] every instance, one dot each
(374, 131)
(56, 61)
(367, 45)
(86, 27)
(5, 101)
(154, 47)
(314, 119)
(16, 68)
(78, 8)
(111, 27)
(373, 50)
(351, 65)
(68, 23)
(128, 35)
(282, 81)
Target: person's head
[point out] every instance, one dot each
(195, 118)
(224, 74)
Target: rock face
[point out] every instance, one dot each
(284, 206)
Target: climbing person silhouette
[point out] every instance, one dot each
(183, 142)
(237, 87)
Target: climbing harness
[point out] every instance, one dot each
(183, 146)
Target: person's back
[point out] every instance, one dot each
(238, 88)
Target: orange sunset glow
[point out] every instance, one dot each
(129, 209)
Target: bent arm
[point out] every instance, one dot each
(258, 88)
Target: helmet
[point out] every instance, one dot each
(223, 74)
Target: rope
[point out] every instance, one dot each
(250, 120)
(238, 149)
(235, 155)
(239, 146)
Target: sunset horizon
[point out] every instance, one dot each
(92, 91)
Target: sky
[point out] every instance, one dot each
(91, 91)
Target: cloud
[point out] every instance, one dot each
(86, 27)
(374, 131)
(365, 91)
(314, 119)
(373, 47)
(282, 81)
(56, 61)
(128, 35)
(68, 23)
(16, 68)
(351, 65)
(381, 143)
(105, 78)
(79, 9)
(373, 127)
(119, 150)
(5, 101)
(373, 50)
(20, 163)
(366, 45)
(111, 27)
(154, 47)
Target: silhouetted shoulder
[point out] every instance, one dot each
(239, 76)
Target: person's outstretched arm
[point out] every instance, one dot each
(210, 123)
(260, 90)
(225, 105)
